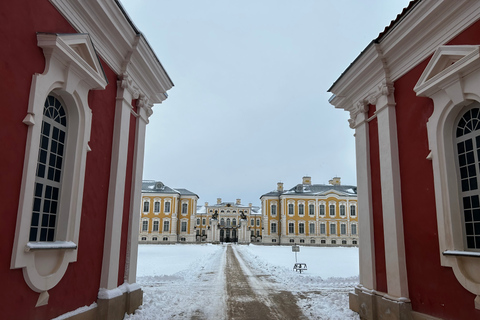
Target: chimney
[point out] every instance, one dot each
(219, 200)
(279, 186)
(335, 181)
(307, 180)
(239, 202)
(206, 204)
(249, 204)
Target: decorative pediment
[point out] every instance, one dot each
(78, 49)
(446, 64)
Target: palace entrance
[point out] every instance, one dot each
(228, 235)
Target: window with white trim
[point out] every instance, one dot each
(156, 206)
(332, 209)
(301, 209)
(146, 205)
(323, 228)
(184, 208)
(234, 222)
(354, 229)
(252, 222)
(183, 226)
(353, 211)
(166, 226)
(49, 169)
(312, 228)
(198, 221)
(342, 210)
(167, 207)
(144, 225)
(273, 210)
(273, 227)
(258, 222)
(467, 141)
(311, 209)
(155, 226)
(321, 210)
(60, 229)
(291, 227)
(290, 209)
(343, 228)
(333, 229)
(301, 228)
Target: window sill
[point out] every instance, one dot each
(55, 245)
(461, 253)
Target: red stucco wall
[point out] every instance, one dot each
(433, 289)
(20, 58)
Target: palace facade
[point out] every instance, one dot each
(167, 214)
(311, 214)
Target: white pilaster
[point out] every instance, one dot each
(391, 196)
(136, 193)
(116, 190)
(366, 245)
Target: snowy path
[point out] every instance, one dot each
(233, 282)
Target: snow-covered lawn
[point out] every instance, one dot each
(187, 281)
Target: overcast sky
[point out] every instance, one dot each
(250, 105)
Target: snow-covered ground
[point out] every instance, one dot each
(187, 281)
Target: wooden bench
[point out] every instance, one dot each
(300, 267)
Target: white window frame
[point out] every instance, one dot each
(343, 210)
(330, 205)
(291, 206)
(146, 205)
(145, 224)
(353, 210)
(323, 228)
(320, 206)
(291, 223)
(343, 229)
(353, 229)
(458, 86)
(333, 227)
(184, 207)
(169, 202)
(301, 224)
(273, 225)
(273, 209)
(311, 226)
(311, 212)
(63, 69)
(157, 205)
(184, 222)
(166, 222)
(301, 208)
(157, 222)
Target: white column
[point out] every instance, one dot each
(366, 243)
(136, 195)
(116, 189)
(391, 197)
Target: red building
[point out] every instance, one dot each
(78, 84)
(414, 99)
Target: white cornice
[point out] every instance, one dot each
(411, 41)
(117, 43)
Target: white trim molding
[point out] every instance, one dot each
(72, 69)
(452, 80)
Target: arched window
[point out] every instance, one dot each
(467, 140)
(234, 222)
(49, 171)
(184, 208)
(222, 222)
(228, 222)
(290, 209)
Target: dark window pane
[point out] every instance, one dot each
(51, 223)
(51, 234)
(43, 234)
(467, 203)
(469, 229)
(465, 186)
(460, 148)
(468, 145)
(35, 217)
(33, 234)
(475, 202)
(36, 204)
(468, 215)
(45, 220)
